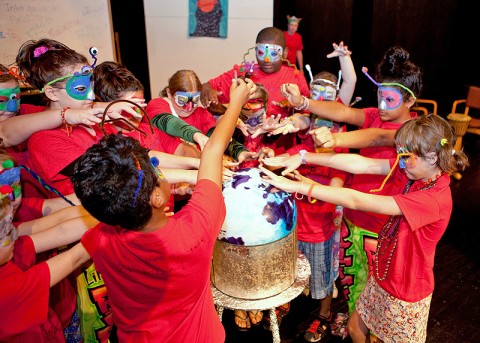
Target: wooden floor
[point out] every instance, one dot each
(455, 309)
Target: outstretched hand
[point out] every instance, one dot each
(208, 95)
(115, 111)
(90, 116)
(200, 139)
(292, 93)
(242, 127)
(242, 90)
(290, 163)
(268, 124)
(323, 137)
(339, 50)
(279, 181)
(282, 103)
(286, 128)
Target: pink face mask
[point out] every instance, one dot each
(389, 98)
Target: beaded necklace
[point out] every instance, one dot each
(388, 235)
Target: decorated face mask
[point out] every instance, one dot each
(254, 104)
(10, 99)
(406, 158)
(269, 52)
(252, 114)
(389, 98)
(11, 177)
(321, 92)
(187, 100)
(8, 233)
(79, 85)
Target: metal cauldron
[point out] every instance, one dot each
(255, 272)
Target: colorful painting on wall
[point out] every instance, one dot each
(207, 18)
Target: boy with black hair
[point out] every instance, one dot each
(156, 268)
(271, 71)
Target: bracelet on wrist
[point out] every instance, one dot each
(68, 127)
(304, 105)
(310, 194)
(296, 193)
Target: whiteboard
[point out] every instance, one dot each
(75, 23)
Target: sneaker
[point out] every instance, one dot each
(317, 330)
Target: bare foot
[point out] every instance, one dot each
(255, 317)
(242, 320)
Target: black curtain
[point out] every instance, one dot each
(440, 36)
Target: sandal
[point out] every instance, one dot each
(281, 312)
(318, 329)
(255, 317)
(241, 317)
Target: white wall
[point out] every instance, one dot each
(78, 24)
(171, 49)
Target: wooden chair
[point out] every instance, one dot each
(425, 106)
(461, 120)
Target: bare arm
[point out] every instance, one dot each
(356, 139)
(211, 166)
(332, 110)
(56, 204)
(187, 150)
(65, 263)
(62, 234)
(174, 161)
(46, 222)
(300, 59)
(18, 129)
(352, 163)
(180, 175)
(349, 77)
(345, 197)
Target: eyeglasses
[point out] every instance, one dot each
(183, 98)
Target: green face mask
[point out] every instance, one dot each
(10, 99)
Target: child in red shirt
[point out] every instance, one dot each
(269, 72)
(25, 285)
(294, 42)
(400, 83)
(395, 303)
(161, 265)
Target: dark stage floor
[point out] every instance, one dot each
(455, 307)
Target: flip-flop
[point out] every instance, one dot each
(256, 316)
(244, 318)
(281, 311)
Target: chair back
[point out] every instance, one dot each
(425, 106)
(473, 97)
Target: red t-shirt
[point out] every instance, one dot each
(366, 182)
(30, 186)
(158, 141)
(315, 221)
(271, 83)
(294, 43)
(29, 209)
(201, 118)
(159, 282)
(25, 288)
(425, 218)
(53, 150)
